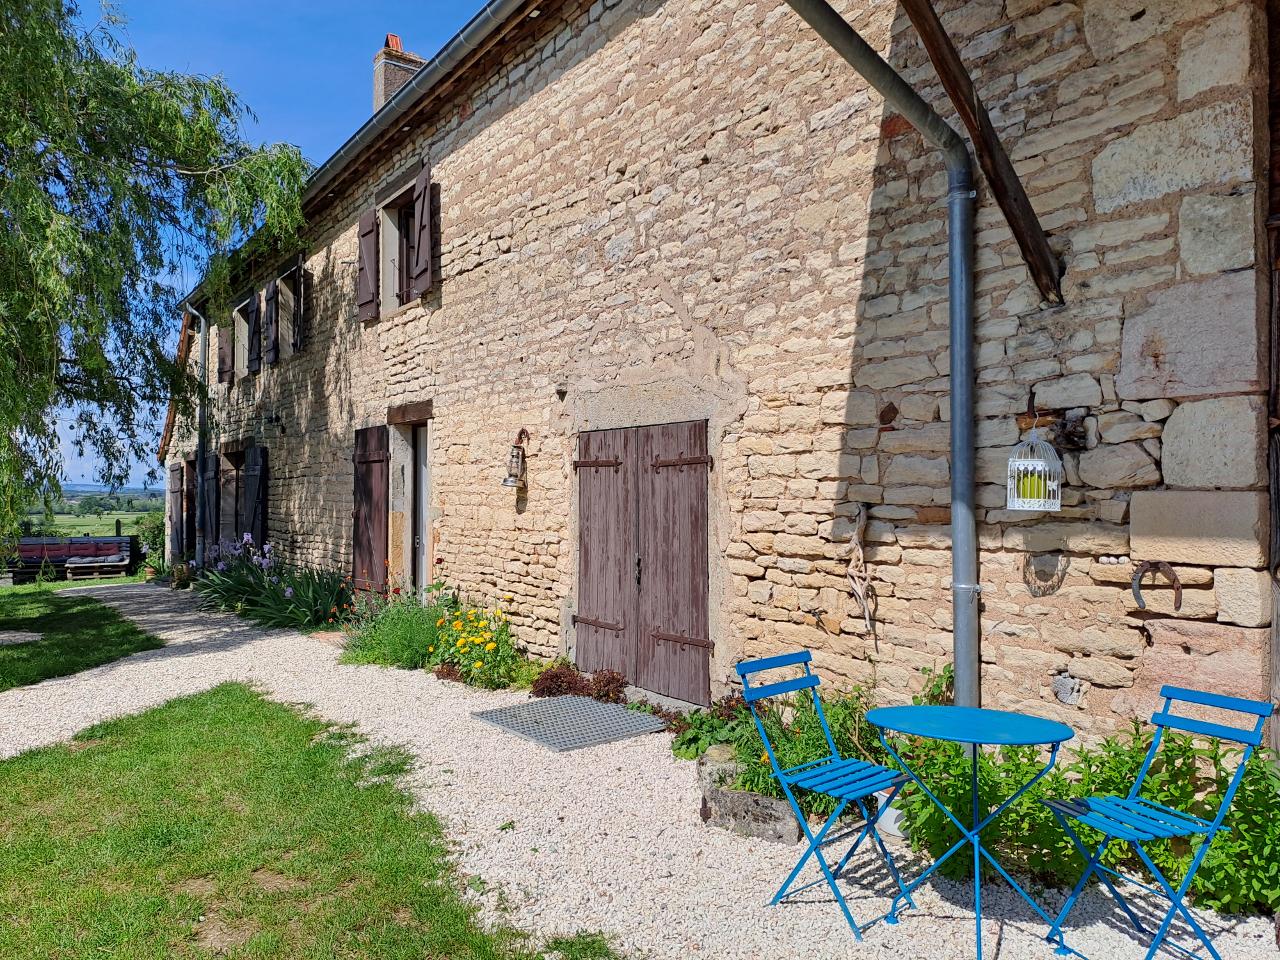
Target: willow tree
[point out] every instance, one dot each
(117, 185)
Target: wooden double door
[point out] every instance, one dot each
(642, 557)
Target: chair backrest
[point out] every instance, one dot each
(1253, 712)
(755, 692)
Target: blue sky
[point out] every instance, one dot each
(304, 68)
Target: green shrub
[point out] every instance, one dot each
(150, 527)
(252, 583)
(398, 637)
(478, 642)
(1241, 872)
(728, 721)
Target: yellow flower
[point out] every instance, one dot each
(440, 622)
(764, 758)
(479, 664)
(431, 649)
(508, 598)
(457, 624)
(483, 624)
(490, 645)
(460, 643)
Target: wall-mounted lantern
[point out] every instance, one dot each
(1035, 476)
(515, 462)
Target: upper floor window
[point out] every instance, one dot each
(398, 236)
(394, 247)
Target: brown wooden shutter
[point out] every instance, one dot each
(254, 495)
(212, 499)
(674, 652)
(175, 512)
(422, 252)
(271, 323)
(369, 517)
(606, 616)
(253, 320)
(300, 293)
(367, 269)
(190, 475)
(226, 352)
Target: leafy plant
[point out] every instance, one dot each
(250, 581)
(150, 527)
(609, 686)
(478, 642)
(560, 679)
(727, 721)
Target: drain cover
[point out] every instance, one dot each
(571, 723)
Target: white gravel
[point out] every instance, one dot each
(606, 838)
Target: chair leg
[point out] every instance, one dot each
(1093, 866)
(815, 840)
(1176, 904)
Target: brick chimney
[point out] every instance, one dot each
(392, 68)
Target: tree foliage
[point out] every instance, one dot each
(117, 183)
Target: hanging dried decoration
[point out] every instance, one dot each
(859, 578)
(1035, 476)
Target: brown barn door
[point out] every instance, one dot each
(606, 617)
(253, 498)
(673, 654)
(190, 475)
(212, 499)
(369, 518)
(642, 561)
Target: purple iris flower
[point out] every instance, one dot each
(288, 593)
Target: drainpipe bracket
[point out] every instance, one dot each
(973, 588)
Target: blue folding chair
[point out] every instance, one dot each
(1136, 820)
(847, 781)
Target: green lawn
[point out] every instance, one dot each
(78, 633)
(103, 526)
(223, 824)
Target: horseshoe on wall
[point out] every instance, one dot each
(1156, 566)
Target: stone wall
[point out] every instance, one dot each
(656, 211)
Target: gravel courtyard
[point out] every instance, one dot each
(607, 838)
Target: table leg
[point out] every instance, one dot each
(977, 849)
(971, 835)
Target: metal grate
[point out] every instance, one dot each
(571, 723)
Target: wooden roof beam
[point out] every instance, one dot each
(996, 166)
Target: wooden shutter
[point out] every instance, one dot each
(369, 517)
(605, 621)
(175, 512)
(271, 323)
(300, 287)
(226, 352)
(253, 320)
(212, 499)
(674, 650)
(254, 495)
(422, 252)
(367, 268)
(190, 475)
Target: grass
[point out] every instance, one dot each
(103, 526)
(78, 632)
(222, 824)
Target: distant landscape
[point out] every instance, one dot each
(87, 509)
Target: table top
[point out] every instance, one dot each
(971, 725)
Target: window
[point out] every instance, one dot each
(240, 340)
(289, 313)
(397, 251)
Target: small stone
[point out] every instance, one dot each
(1121, 426)
(1158, 409)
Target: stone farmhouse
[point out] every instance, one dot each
(686, 260)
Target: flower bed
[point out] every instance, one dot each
(247, 579)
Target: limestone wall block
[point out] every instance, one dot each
(1194, 339)
(1122, 573)
(1215, 232)
(1121, 426)
(1244, 596)
(1121, 465)
(1101, 671)
(1209, 527)
(1072, 537)
(1211, 54)
(1075, 390)
(1219, 442)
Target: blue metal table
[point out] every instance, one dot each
(975, 728)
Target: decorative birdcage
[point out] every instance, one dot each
(1035, 476)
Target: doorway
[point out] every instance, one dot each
(422, 573)
(642, 557)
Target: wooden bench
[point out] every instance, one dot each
(76, 558)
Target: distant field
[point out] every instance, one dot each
(104, 526)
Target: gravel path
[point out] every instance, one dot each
(606, 838)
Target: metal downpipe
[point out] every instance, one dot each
(834, 29)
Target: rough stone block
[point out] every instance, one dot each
(1210, 145)
(1111, 26)
(1121, 426)
(1216, 443)
(1088, 538)
(1101, 671)
(1195, 339)
(1214, 54)
(1215, 233)
(1244, 596)
(747, 814)
(1076, 390)
(1205, 656)
(1210, 527)
(1121, 465)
